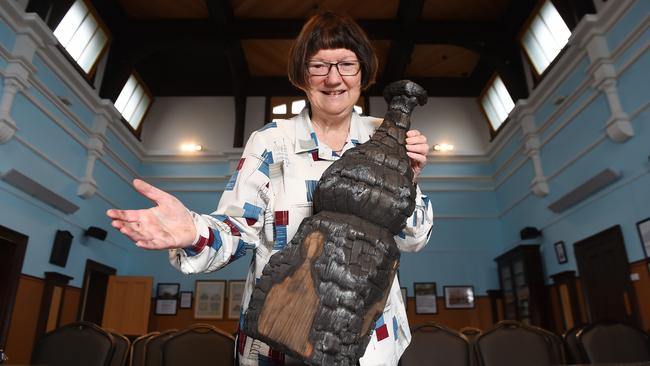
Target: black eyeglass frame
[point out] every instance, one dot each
(329, 67)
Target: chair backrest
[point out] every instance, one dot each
(510, 343)
(573, 353)
(605, 342)
(217, 347)
(153, 348)
(435, 345)
(138, 349)
(471, 332)
(80, 343)
(121, 350)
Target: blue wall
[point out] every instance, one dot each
(480, 203)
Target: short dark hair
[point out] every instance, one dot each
(329, 30)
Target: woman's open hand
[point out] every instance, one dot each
(167, 225)
(417, 150)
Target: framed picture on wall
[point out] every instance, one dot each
(186, 300)
(459, 297)
(235, 296)
(560, 252)
(167, 290)
(210, 295)
(643, 227)
(425, 298)
(166, 306)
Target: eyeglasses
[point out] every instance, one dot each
(322, 68)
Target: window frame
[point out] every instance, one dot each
(136, 131)
(90, 76)
(537, 77)
(486, 88)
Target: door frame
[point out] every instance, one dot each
(15, 269)
(91, 266)
(579, 249)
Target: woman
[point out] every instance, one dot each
(269, 194)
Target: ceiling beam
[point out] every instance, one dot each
(401, 47)
(221, 15)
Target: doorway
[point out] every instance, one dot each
(93, 291)
(12, 253)
(605, 277)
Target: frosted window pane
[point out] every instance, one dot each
(492, 116)
(139, 112)
(70, 22)
(555, 24)
(280, 109)
(545, 38)
(533, 49)
(133, 102)
(81, 37)
(504, 96)
(125, 94)
(358, 109)
(297, 106)
(90, 54)
(498, 107)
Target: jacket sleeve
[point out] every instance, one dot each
(419, 226)
(236, 226)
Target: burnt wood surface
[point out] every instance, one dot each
(317, 299)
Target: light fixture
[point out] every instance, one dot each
(444, 147)
(190, 147)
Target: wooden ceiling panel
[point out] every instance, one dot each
(358, 9)
(465, 9)
(441, 61)
(165, 9)
(267, 57)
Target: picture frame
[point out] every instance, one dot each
(643, 227)
(426, 299)
(166, 306)
(167, 290)
(209, 298)
(235, 296)
(560, 252)
(459, 297)
(186, 300)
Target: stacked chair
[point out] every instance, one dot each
(435, 345)
(154, 348)
(209, 347)
(80, 343)
(138, 349)
(510, 343)
(611, 342)
(572, 349)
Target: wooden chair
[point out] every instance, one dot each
(209, 346)
(138, 349)
(510, 343)
(80, 343)
(612, 342)
(436, 345)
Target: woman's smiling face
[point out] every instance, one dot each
(333, 94)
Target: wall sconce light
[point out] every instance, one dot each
(191, 147)
(444, 147)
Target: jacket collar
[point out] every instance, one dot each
(306, 140)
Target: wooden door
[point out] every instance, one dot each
(605, 277)
(12, 254)
(128, 300)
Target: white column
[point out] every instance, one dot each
(95, 148)
(522, 113)
(618, 126)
